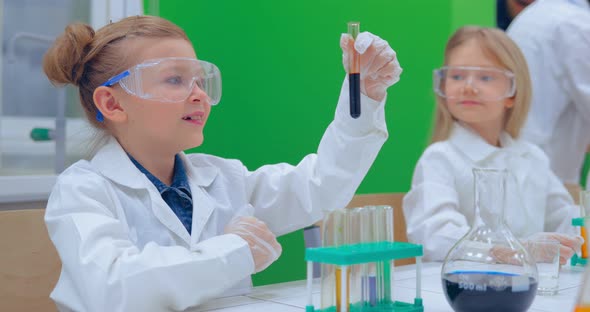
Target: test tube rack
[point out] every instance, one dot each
(345, 256)
(577, 260)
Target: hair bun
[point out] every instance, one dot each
(64, 62)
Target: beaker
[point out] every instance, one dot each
(488, 269)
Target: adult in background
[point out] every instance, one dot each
(554, 36)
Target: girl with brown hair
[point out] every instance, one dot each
(143, 226)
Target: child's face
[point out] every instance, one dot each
(465, 102)
(165, 124)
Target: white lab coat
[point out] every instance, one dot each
(123, 249)
(440, 205)
(554, 36)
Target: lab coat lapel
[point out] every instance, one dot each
(470, 144)
(199, 178)
(202, 211)
(164, 214)
(516, 213)
(516, 161)
(112, 162)
(480, 152)
(519, 167)
(203, 205)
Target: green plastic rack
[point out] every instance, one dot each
(354, 254)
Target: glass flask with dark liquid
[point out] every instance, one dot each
(489, 269)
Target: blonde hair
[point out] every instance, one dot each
(499, 46)
(86, 59)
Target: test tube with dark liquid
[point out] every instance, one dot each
(354, 75)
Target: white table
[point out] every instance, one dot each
(291, 296)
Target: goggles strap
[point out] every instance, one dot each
(99, 116)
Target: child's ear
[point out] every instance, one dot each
(509, 103)
(107, 103)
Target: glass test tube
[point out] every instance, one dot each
(376, 226)
(331, 227)
(383, 224)
(339, 288)
(369, 274)
(583, 304)
(354, 75)
(336, 233)
(356, 271)
(343, 278)
(584, 209)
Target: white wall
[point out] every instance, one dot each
(1, 32)
(14, 131)
(103, 12)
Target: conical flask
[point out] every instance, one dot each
(489, 269)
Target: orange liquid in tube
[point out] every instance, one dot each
(339, 288)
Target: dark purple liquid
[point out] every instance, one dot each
(371, 284)
(483, 292)
(354, 90)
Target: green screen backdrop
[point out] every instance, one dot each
(282, 71)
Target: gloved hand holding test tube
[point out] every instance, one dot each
(371, 65)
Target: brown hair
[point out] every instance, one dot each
(86, 59)
(499, 46)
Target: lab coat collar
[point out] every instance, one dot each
(580, 3)
(112, 162)
(179, 177)
(477, 149)
(201, 175)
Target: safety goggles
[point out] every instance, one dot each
(486, 83)
(170, 79)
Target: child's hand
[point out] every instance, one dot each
(263, 243)
(570, 244)
(379, 65)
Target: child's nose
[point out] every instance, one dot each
(197, 95)
(469, 87)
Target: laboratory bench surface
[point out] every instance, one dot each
(292, 296)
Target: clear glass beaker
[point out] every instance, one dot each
(489, 269)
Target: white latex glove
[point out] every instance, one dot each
(379, 67)
(263, 243)
(570, 244)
